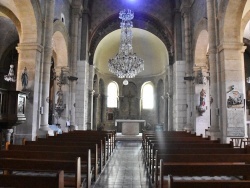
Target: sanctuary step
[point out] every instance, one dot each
(120, 136)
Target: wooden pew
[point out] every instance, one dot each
(109, 137)
(207, 183)
(110, 133)
(96, 150)
(53, 155)
(197, 158)
(154, 134)
(101, 141)
(20, 181)
(8, 165)
(201, 169)
(67, 149)
(164, 146)
(162, 139)
(151, 143)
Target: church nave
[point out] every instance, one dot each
(125, 168)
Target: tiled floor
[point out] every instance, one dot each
(125, 168)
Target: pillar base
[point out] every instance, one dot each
(44, 131)
(214, 133)
(73, 127)
(188, 128)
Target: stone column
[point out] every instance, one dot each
(48, 32)
(178, 33)
(214, 130)
(90, 109)
(83, 73)
(76, 9)
(96, 110)
(185, 9)
(232, 82)
(7, 134)
(165, 111)
(29, 56)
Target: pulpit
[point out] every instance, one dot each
(12, 108)
(129, 126)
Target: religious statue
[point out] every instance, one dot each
(24, 78)
(202, 106)
(59, 102)
(202, 97)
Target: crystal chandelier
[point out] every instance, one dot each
(126, 64)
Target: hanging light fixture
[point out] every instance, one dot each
(126, 64)
(10, 77)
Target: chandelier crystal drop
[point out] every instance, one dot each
(126, 64)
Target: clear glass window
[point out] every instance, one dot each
(148, 96)
(112, 95)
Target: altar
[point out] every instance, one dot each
(129, 126)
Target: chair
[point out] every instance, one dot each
(237, 142)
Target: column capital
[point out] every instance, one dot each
(97, 95)
(76, 9)
(29, 46)
(91, 92)
(185, 7)
(232, 46)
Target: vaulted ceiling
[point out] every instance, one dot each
(145, 44)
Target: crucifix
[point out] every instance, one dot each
(130, 97)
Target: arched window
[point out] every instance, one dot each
(147, 96)
(112, 95)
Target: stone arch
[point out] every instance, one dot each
(201, 49)
(200, 32)
(244, 22)
(29, 20)
(233, 14)
(13, 18)
(60, 44)
(141, 19)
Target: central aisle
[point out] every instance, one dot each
(125, 169)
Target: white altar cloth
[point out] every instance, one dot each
(130, 127)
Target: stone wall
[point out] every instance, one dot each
(179, 96)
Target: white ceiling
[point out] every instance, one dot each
(146, 45)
